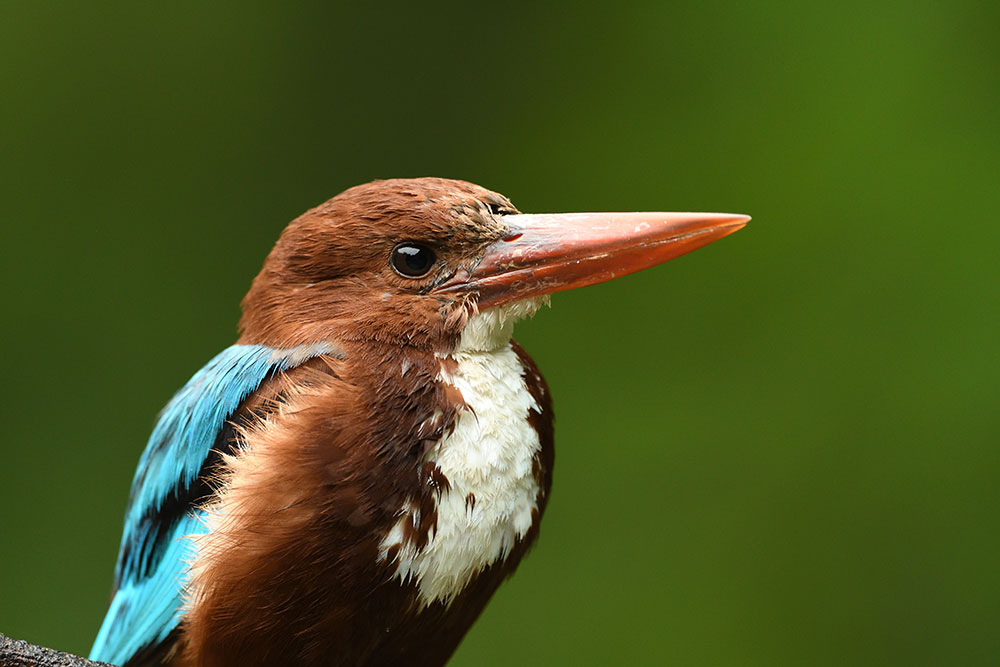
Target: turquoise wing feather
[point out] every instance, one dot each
(162, 512)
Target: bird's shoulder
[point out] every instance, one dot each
(172, 480)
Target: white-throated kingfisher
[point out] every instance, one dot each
(352, 480)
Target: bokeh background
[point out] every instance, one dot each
(780, 450)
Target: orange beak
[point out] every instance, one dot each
(551, 252)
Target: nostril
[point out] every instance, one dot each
(513, 237)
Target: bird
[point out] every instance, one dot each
(350, 482)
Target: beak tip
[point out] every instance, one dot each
(735, 222)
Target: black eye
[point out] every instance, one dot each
(412, 259)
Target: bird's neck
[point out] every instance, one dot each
(489, 491)
(491, 329)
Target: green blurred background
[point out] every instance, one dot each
(781, 449)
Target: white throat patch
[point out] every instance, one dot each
(487, 459)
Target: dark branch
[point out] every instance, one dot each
(17, 653)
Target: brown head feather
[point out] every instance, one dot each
(329, 277)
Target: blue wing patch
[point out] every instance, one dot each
(152, 557)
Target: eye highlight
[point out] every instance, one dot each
(412, 260)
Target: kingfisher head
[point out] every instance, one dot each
(438, 264)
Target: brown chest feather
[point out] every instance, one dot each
(295, 567)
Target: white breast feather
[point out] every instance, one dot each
(489, 454)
